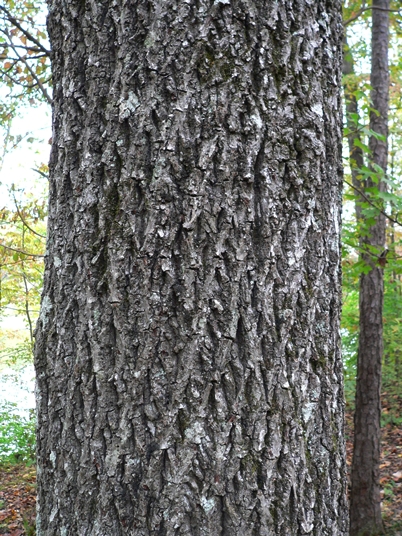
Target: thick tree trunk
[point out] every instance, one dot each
(365, 505)
(189, 378)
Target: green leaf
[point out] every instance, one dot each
(365, 148)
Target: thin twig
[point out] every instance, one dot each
(362, 249)
(25, 47)
(26, 292)
(24, 222)
(362, 194)
(27, 34)
(17, 309)
(20, 251)
(13, 62)
(33, 74)
(41, 173)
(13, 80)
(363, 9)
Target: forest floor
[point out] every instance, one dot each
(18, 485)
(17, 500)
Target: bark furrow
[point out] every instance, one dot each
(188, 355)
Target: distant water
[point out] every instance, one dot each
(17, 388)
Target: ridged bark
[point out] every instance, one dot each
(365, 504)
(189, 377)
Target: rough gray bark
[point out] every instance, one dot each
(365, 503)
(189, 378)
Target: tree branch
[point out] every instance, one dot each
(20, 251)
(32, 73)
(41, 173)
(24, 276)
(363, 9)
(364, 196)
(17, 309)
(27, 34)
(24, 222)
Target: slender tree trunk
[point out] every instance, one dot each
(189, 377)
(356, 156)
(365, 494)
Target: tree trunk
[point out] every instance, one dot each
(189, 377)
(365, 505)
(356, 156)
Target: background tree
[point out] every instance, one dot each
(189, 376)
(365, 499)
(369, 183)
